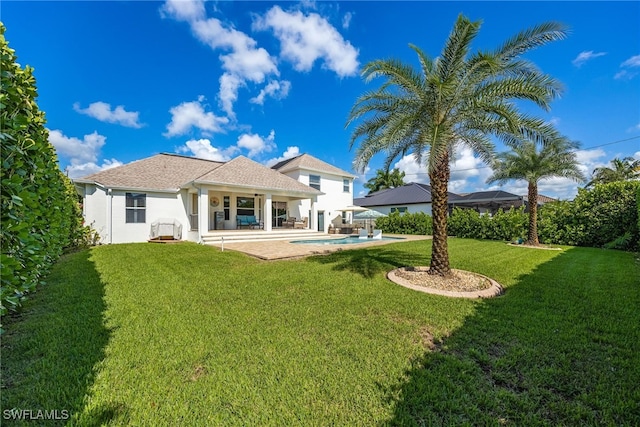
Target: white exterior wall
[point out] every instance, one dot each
(95, 210)
(414, 208)
(333, 199)
(159, 205)
(98, 205)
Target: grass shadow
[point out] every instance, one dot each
(52, 347)
(369, 262)
(562, 347)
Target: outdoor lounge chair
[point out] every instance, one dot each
(246, 221)
(289, 223)
(301, 224)
(377, 234)
(363, 234)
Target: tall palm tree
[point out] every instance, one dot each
(459, 98)
(626, 169)
(385, 179)
(556, 158)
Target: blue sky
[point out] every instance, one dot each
(123, 80)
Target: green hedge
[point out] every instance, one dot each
(510, 225)
(406, 223)
(39, 206)
(604, 216)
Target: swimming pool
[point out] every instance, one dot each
(342, 241)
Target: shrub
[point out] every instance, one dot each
(509, 225)
(604, 216)
(39, 207)
(406, 223)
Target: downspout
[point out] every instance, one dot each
(200, 239)
(110, 210)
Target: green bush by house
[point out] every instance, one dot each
(509, 225)
(38, 204)
(604, 216)
(406, 223)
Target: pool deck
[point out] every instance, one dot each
(283, 249)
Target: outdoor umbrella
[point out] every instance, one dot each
(352, 208)
(369, 214)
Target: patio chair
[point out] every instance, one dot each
(363, 234)
(301, 224)
(377, 234)
(289, 223)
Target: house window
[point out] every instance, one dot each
(314, 181)
(401, 209)
(136, 205)
(226, 200)
(344, 217)
(345, 185)
(245, 206)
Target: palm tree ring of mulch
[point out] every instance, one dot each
(459, 284)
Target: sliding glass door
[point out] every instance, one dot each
(278, 213)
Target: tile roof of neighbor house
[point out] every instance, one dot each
(408, 194)
(167, 172)
(488, 196)
(243, 172)
(307, 162)
(170, 172)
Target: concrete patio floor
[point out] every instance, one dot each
(283, 249)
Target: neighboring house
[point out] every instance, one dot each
(336, 184)
(203, 195)
(414, 197)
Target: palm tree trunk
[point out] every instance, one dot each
(439, 209)
(532, 238)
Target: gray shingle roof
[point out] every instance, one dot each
(408, 194)
(168, 172)
(243, 172)
(488, 196)
(308, 162)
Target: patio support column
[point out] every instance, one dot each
(313, 221)
(266, 209)
(203, 211)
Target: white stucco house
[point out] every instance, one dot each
(122, 203)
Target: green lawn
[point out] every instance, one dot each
(149, 334)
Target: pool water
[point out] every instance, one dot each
(342, 241)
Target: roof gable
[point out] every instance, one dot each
(408, 194)
(308, 162)
(159, 172)
(243, 172)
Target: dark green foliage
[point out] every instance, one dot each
(39, 208)
(603, 216)
(509, 225)
(406, 223)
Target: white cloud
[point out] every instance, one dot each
(257, 144)
(203, 149)
(275, 89)
(346, 20)
(586, 56)
(634, 61)
(81, 153)
(84, 169)
(290, 153)
(307, 38)
(183, 10)
(79, 150)
(636, 155)
(626, 73)
(245, 61)
(190, 115)
(413, 171)
(103, 112)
